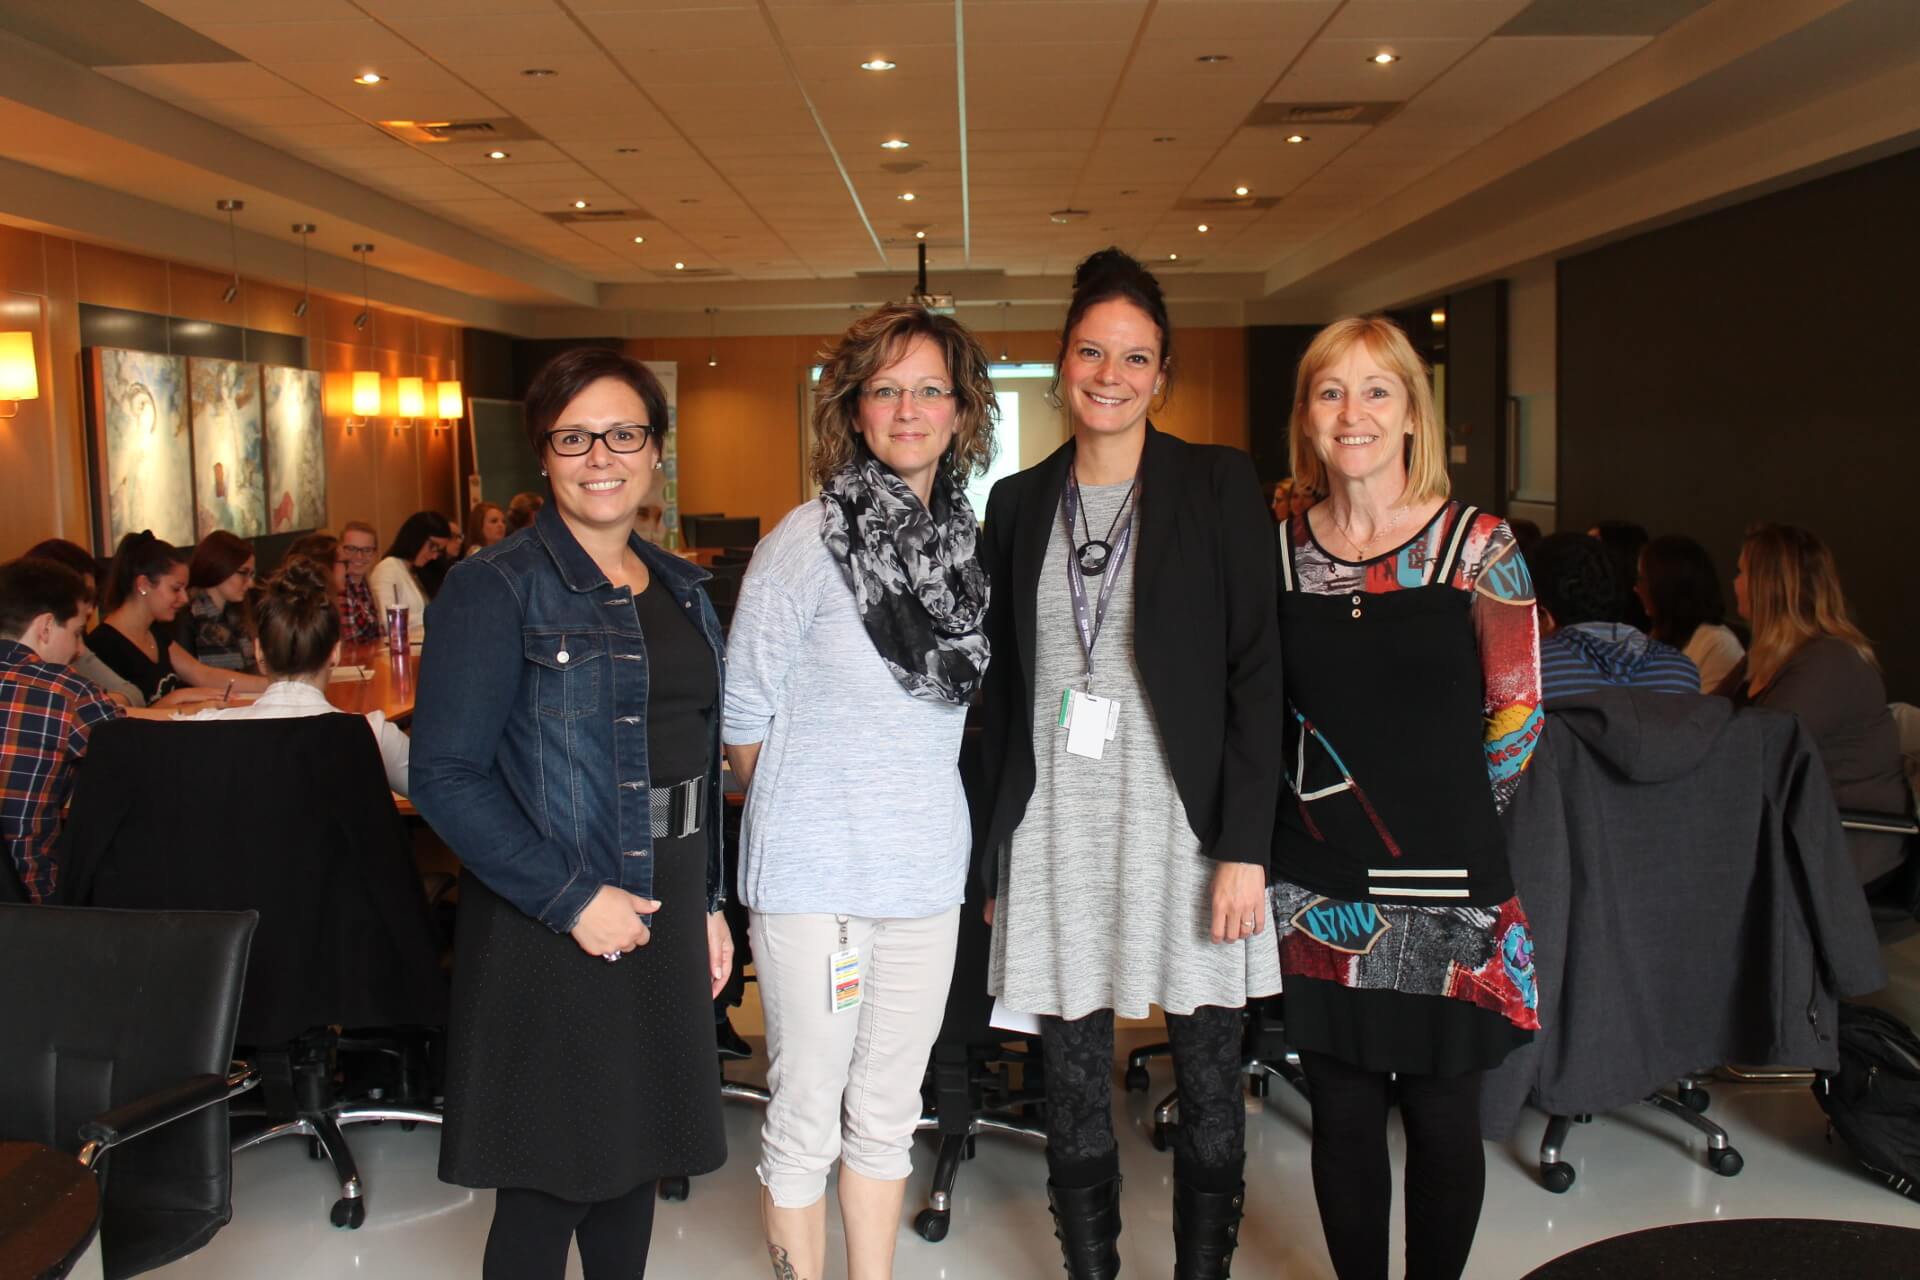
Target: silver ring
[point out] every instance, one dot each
(611, 956)
(1247, 923)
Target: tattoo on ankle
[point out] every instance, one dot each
(782, 1265)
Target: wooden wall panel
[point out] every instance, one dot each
(110, 278)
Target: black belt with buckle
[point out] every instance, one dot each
(678, 810)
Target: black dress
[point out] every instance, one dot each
(153, 679)
(569, 1074)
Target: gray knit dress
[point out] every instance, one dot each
(1105, 899)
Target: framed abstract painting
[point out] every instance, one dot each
(296, 449)
(229, 465)
(141, 451)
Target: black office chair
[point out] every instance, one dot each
(1893, 898)
(308, 837)
(721, 531)
(117, 1048)
(1264, 1057)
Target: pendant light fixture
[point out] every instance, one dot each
(713, 359)
(366, 382)
(231, 207)
(1006, 310)
(303, 230)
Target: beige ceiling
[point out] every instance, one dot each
(746, 139)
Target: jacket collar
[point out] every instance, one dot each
(1160, 460)
(580, 573)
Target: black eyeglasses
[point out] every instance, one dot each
(573, 442)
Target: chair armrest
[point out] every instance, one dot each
(1896, 824)
(164, 1106)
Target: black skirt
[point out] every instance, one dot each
(573, 1075)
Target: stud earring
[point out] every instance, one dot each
(659, 466)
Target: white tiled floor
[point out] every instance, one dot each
(1636, 1170)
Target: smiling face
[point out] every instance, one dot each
(232, 589)
(493, 527)
(1359, 418)
(1113, 367)
(907, 412)
(360, 549)
(601, 489)
(166, 594)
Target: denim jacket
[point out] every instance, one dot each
(530, 729)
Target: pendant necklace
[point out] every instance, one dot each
(1093, 554)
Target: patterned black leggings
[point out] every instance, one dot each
(1209, 1143)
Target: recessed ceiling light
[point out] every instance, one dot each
(1383, 58)
(1241, 191)
(1202, 228)
(369, 77)
(1173, 257)
(679, 266)
(1214, 57)
(539, 73)
(639, 239)
(919, 235)
(908, 196)
(895, 144)
(878, 64)
(1296, 137)
(498, 155)
(579, 204)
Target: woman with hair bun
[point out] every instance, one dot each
(1132, 766)
(296, 632)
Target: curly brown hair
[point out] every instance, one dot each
(871, 344)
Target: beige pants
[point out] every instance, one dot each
(846, 1085)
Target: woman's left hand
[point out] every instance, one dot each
(1239, 901)
(719, 951)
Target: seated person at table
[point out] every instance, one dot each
(325, 552)
(1585, 643)
(487, 525)
(522, 509)
(46, 711)
(146, 590)
(212, 628)
(396, 579)
(1809, 658)
(85, 663)
(1681, 591)
(296, 631)
(360, 622)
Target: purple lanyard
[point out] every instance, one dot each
(1089, 620)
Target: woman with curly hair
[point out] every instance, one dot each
(855, 649)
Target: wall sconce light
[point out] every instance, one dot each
(412, 399)
(452, 406)
(19, 373)
(366, 399)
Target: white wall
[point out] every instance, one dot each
(1532, 367)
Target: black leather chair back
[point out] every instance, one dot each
(290, 818)
(100, 1008)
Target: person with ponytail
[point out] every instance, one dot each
(1132, 763)
(146, 591)
(1809, 658)
(854, 653)
(295, 628)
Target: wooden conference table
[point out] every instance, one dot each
(389, 687)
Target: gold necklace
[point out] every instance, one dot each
(1378, 532)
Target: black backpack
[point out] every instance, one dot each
(1873, 1100)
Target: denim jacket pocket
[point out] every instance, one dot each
(566, 670)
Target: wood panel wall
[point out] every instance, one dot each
(379, 473)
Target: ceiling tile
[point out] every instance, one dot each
(1391, 20)
(679, 29)
(1340, 70)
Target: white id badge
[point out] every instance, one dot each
(843, 980)
(1088, 721)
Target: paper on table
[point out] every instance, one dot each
(351, 673)
(1006, 1019)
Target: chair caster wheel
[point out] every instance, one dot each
(1162, 1136)
(675, 1188)
(1726, 1162)
(349, 1213)
(1557, 1177)
(1695, 1100)
(932, 1225)
(1138, 1080)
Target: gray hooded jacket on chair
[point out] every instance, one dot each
(1691, 897)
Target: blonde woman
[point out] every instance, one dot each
(1809, 658)
(854, 651)
(1413, 690)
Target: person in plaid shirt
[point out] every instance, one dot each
(359, 620)
(46, 711)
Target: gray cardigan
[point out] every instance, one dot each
(1718, 919)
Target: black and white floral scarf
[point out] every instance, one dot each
(916, 581)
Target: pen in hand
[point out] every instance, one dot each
(228, 695)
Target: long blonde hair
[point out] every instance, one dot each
(1793, 596)
(1386, 342)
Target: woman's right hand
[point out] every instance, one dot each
(988, 911)
(611, 922)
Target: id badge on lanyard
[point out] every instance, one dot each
(1091, 722)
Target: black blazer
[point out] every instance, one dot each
(1206, 636)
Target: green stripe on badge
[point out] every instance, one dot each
(1066, 700)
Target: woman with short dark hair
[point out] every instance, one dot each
(1132, 766)
(566, 745)
(1680, 589)
(395, 581)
